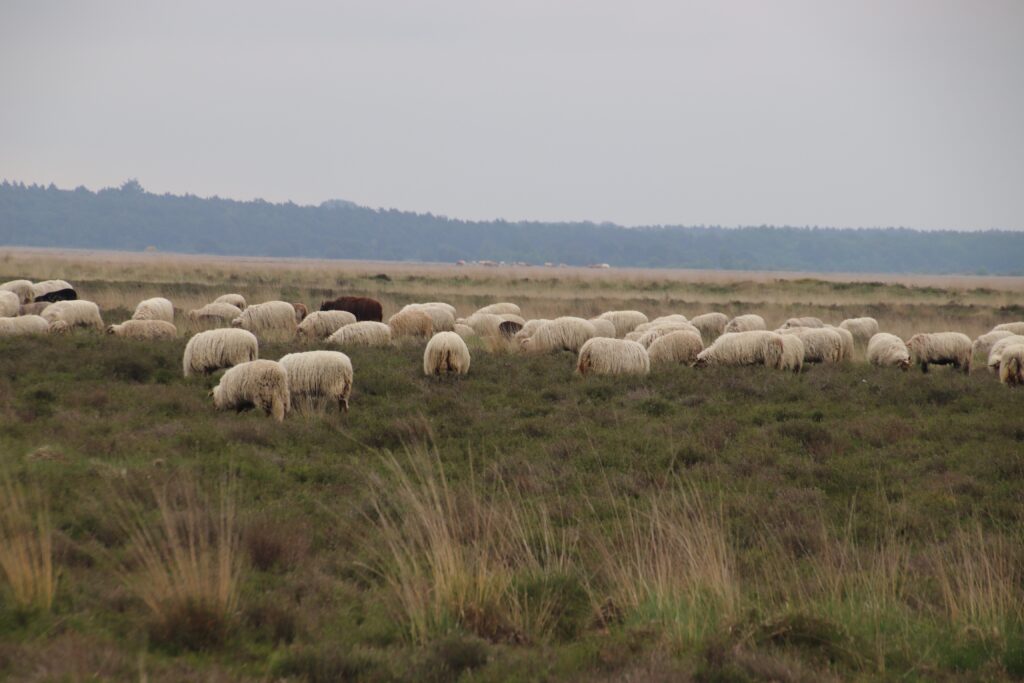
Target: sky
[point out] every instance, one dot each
(811, 112)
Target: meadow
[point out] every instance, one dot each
(519, 523)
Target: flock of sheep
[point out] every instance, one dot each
(227, 334)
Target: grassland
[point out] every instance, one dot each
(519, 523)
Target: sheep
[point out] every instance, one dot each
(497, 309)
(848, 342)
(260, 384)
(23, 325)
(74, 313)
(317, 376)
(362, 307)
(1011, 369)
(442, 316)
(675, 347)
(363, 333)
(217, 314)
(983, 344)
(746, 323)
(604, 328)
(60, 327)
(411, 322)
(441, 304)
(464, 331)
(215, 349)
(10, 304)
(561, 334)
(322, 324)
(300, 311)
(269, 320)
(888, 350)
(509, 329)
(144, 329)
(941, 348)
(157, 308)
(665, 320)
(34, 308)
(22, 288)
(53, 291)
(793, 352)
(485, 324)
(236, 300)
(1016, 328)
(446, 353)
(995, 356)
(808, 321)
(603, 356)
(821, 345)
(531, 326)
(624, 321)
(862, 329)
(755, 347)
(646, 337)
(711, 325)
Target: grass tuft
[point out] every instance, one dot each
(26, 547)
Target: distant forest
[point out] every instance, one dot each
(129, 218)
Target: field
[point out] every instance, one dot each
(519, 523)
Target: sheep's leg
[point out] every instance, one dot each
(924, 367)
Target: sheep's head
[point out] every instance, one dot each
(904, 364)
(237, 322)
(111, 330)
(59, 327)
(701, 362)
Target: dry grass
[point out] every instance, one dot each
(26, 547)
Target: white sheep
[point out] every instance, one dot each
(792, 353)
(442, 316)
(755, 347)
(888, 350)
(746, 323)
(821, 345)
(485, 324)
(649, 335)
(269, 320)
(848, 342)
(144, 329)
(260, 384)
(604, 328)
(34, 308)
(531, 326)
(49, 287)
(862, 329)
(497, 309)
(561, 334)
(941, 348)
(1016, 328)
(411, 322)
(983, 344)
(441, 304)
(363, 333)
(217, 314)
(215, 349)
(711, 325)
(10, 304)
(76, 313)
(995, 356)
(675, 347)
(157, 308)
(673, 319)
(624, 321)
(446, 353)
(318, 376)
(236, 300)
(464, 331)
(1011, 369)
(322, 324)
(806, 321)
(23, 325)
(603, 356)
(23, 288)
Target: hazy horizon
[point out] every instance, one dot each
(798, 113)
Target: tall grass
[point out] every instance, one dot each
(26, 547)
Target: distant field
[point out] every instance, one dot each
(519, 523)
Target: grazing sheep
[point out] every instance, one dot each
(23, 288)
(442, 316)
(236, 300)
(269, 320)
(464, 331)
(485, 324)
(888, 350)
(260, 384)
(941, 348)
(675, 347)
(10, 304)
(34, 308)
(300, 311)
(23, 325)
(363, 333)
(144, 329)
(212, 350)
(322, 324)
(441, 304)
(53, 291)
(604, 328)
(1016, 328)
(603, 356)
(509, 329)
(848, 342)
(318, 376)
(821, 345)
(746, 323)
(531, 326)
(561, 334)
(983, 344)
(74, 313)
(862, 329)
(665, 320)
(995, 356)
(217, 314)
(60, 327)
(792, 353)
(755, 347)
(411, 322)
(624, 321)
(711, 325)
(646, 337)
(157, 308)
(1011, 369)
(446, 353)
(498, 309)
(808, 321)
(362, 307)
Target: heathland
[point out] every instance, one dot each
(518, 523)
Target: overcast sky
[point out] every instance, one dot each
(859, 113)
